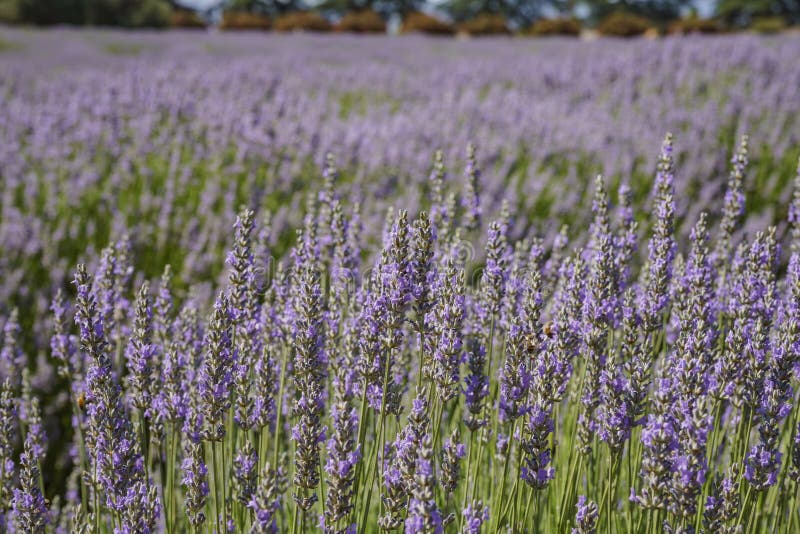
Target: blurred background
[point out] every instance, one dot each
(442, 17)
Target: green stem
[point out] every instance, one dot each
(421, 330)
(321, 488)
(611, 486)
(82, 456)
(216, 484)
(225, 478)
(499, 501)
(380, 439)
(362, 430)
(279, 412)
(294, 518)
(745, 504)
(569, 497)
(793, 508)
(464, 502)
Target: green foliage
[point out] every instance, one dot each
(366, 21)
(7, 46)
(769, 24)
(486, 24)
(151, 14)
(125, 13)
(182, 18)
(656, 10)
(242, 20)
(401, 7)
(264, 7)
(424, 23)
(122, 49)
(622, 24)
(340, 7)
(563, 26)
(8, 11)
(519, 12)
(694, 24)
(743, 13)
(302, 21)
(46, 12)
(385, 8)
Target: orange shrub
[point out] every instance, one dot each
(424, 23)
(308, 21)
(485, 24)
(694, 25)
(621, 24)
(365, 21)
(543, 27)
(240, 20)
(182, 18)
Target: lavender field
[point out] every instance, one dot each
(332, 283)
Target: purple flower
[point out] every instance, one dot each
(423, 514)
(343, 457)
(195, 483)
(471, 199)
(216, 374)
(452, 453)
(515, 376)
(245, 473)
(309, 375)
(733, 204)
(12, 359)
(447, 329)
(140, 354)
(30, 510)
(266, 501)
(761, 466)
(585, 516)
(661, 248)
(8, 414)
(475, 515)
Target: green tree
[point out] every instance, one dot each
(400, 7)
(126, 13)
(655, 10)
(264, 7)
(519, 12)
(386, 8)
(741, 13)
(48, 12)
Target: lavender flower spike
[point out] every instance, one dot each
(586, 516)
(8, 415)
(794, 212)
(195, 483)
(216, 374)
(265, 502)
(343, 456)
(30, 509)
(661, 248)
(12, 359)
(471, 201)
(475, 515)
(118, 467)
(309, 375)
(734, 205)
(141, 352)
(424, 516)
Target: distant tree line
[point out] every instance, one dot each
(124, 13)
(519, 13)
